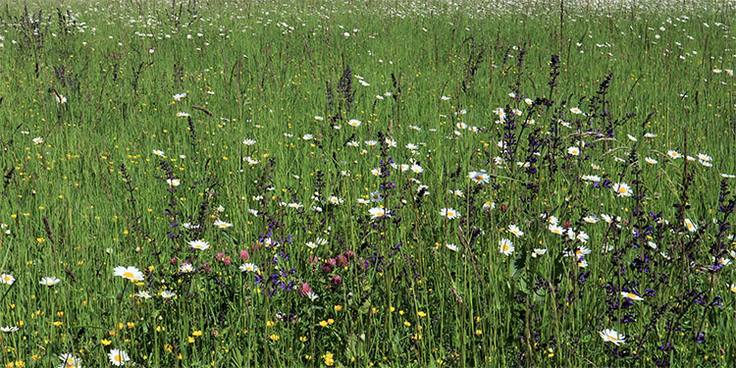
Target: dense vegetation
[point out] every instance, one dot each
(392, 184)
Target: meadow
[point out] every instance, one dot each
(367, 184)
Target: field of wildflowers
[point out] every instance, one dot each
(367, 184)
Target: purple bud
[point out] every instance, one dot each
(342, 261)
(336, 280)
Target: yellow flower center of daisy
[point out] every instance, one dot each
(505, 247)
(118, 358)
(622, 190)
(128, 275)
(479, 177)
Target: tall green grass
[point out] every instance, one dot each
(93, 195)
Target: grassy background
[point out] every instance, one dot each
(262, 71)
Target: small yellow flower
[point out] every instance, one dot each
(330, 321)
(274, 337)
(58, 323)
(328, 359)
(421, 314)
(270, 323)
(106, 342)
(197, 333)
(191, 339)
(478, 332)
(338, 308)
(323, 323)
(303, 338)
(407, 323)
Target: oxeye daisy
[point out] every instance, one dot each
(538, 252)
(222, 224)
(249, 142)
(590, 219)
(416, 169)
(131, 273)
(376, 196)
(576, 110)
(450, 213)
(199, 244)
(186, 268)
(612, 336)
(622, 189)
(167, 294)
(574, 151)
(49, 281)
(690, 226)
(674, 154)
(312, 296)
(377, 212)
(506, 247)
(118, 357)
(651, 160)
(516, 231)
(354, 122)
(9, 329)
(173, 182)
(69, 361)
(249, 267)
(479, 177)
(143, 294)
(452, 247)
(555, 229)
(334, 200)
(631, 296)
(7, 279)
(38, 140)
(311, 245)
